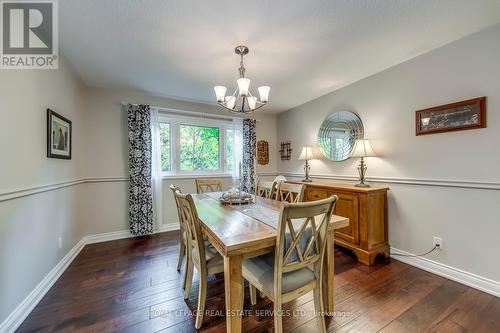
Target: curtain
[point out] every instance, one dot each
(237, 149)
(249, 158)
(156, 176)
(139, 160)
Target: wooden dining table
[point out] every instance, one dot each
(237, 235)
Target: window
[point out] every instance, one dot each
(196, 146)
(165, 147)
(199, 148)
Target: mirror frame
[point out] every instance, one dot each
(348, 119)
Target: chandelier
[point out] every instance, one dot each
(242, 100)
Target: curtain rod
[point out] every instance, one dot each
(192, 113)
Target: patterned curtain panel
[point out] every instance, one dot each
(248, 160)
(139, 162)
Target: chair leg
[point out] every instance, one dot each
(181, 255)
(319, 307)
(253, 293)
(202, 295)
(188, 279)
(278, 319)
(189, 265)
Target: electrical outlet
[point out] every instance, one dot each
(60, 242)
(437, 241)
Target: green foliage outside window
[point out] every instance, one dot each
(229, 149)
(199, 148)
(165, 146)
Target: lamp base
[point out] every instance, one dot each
(307, 180)
(362, 185)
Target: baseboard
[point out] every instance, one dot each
(469, 279)
(16, 318)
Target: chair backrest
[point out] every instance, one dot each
(177, 188)
(288, 192)
(192, 227)
(265, 189)
(208, 185)
(301, 236)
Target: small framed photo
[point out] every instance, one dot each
(58, 136)
(457, 116)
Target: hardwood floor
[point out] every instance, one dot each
(132, 285)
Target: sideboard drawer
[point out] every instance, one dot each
(314, 194)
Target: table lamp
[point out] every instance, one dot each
(307, 155)
(362, 149)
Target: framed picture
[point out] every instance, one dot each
(58, 136)
(263, 152)
(458, 116)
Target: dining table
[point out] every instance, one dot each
(241, 231)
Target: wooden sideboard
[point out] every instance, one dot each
(366, 208)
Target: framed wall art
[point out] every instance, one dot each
(58, 136)
(457, 116)
(263, 152)
(286, 150)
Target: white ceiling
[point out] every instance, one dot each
(301, 48)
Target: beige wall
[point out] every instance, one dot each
(31, 225)
(467, 219)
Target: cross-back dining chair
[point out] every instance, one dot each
(200, 255)
(296, 267)
(181, 229)
(288, 192)
(265, 189)
(208, 185)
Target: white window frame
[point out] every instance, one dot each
(175, 121)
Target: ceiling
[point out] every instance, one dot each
(302, 49)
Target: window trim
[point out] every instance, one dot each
(175, 122)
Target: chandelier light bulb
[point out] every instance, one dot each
(220, 93)
(252, 101)
(264, 93)
(243, 85)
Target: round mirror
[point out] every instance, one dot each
(338, 134)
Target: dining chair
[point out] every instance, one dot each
(296, 267)
(200, 255)
(208, 185)
(182, 251)
(288, 192)
(265, 189)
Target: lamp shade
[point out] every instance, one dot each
(264, 93)
(230, 101)
(243, 85)
(220, 93)
(307, 154)
(251, 102)
(363, 149)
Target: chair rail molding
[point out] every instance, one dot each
(12, 194)
(480, 185)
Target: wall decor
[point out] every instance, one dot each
(338, 133)
(58, 136)
(286, 150)
(457, 116)
(262, 152)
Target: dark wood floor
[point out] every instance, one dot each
(132, 285)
